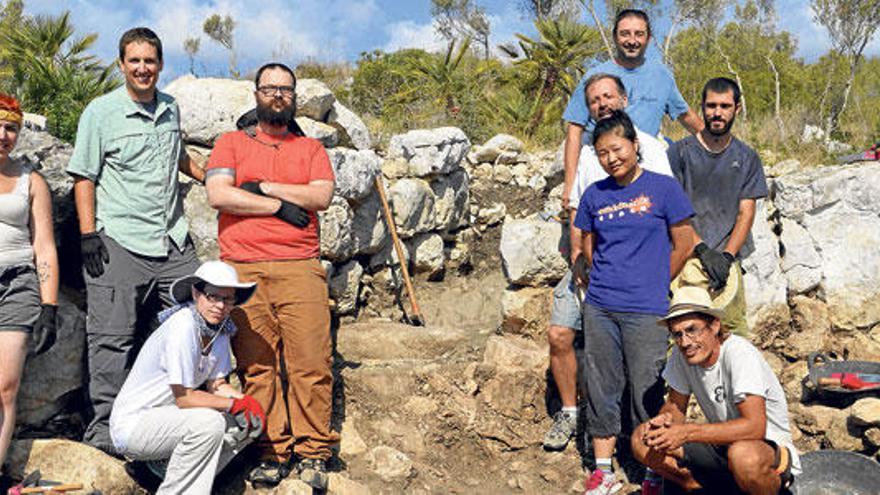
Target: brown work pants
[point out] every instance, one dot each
(288, 319)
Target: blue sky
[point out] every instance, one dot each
(325, 30)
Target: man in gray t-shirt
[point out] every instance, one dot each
(746, 442)
(723, 178)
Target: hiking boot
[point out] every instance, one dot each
(313, 472)
(268, 473)
(563, 429)
(601, 483)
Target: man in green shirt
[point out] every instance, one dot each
(134, 234)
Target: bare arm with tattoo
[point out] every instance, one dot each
(43, 239)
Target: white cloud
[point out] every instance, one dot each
(409, 34)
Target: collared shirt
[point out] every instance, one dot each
(133, 159)
(650, 89)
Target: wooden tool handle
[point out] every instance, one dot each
(389, 219)
(830, 382)
(66, 487)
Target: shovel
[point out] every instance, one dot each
(416, 318)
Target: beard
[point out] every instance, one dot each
(724, 130)
(266, 114)
(622, 55)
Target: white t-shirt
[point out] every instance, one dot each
(589, 169)
(171, 356)
(739, 371)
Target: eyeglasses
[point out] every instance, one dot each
(691, 332)
(217, 298)
(286, 91)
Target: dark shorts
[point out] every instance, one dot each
(19, 298)
(708, 465)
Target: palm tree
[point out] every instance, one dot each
(51, 72)
(436, 76)
(554, 62)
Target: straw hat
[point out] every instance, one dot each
(693, 274)
(216, 273)
(690, 299)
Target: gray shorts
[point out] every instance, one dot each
(566, 305)
(19, 298)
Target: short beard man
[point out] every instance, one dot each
(265, 113)
(718, 132)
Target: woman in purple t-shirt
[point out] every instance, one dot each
(636, 237)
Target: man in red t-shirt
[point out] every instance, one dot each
(267, 183)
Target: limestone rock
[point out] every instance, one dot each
(430, 151)
(202, 219)
(67, 461)
(394, 169)
(850, 262)
(511, 353)
(313, 99)
(530, 251)
(326, 134)
(355, 172)
(353, 133)
(801, 263)
(811, 327)
(555, 168)
(52, 379)
(351, 443)
(503, 174)
(345, 286)
(387, 256)
(369, 230)
(413, 206)
(866, 412)
(492, 215)
(389, 463)
(526, 312)
(453, 200)
(340, 485)
(427, 253)
(498, 144)
(765, 284)
(830, 422)
(336, 237)
(209, 107)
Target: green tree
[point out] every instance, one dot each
(851, 25)
(436, 76)
(222, 30)
(51, 71)
(191, 46)
(553, 63)
(457, 20)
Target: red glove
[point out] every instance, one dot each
(250, 407)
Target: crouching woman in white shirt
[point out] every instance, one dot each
(176, 404)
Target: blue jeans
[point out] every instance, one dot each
(622, 350)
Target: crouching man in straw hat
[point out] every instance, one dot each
(746, 443)
(176, 404)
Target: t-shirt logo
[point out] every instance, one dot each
(720, 395)
(637, 206)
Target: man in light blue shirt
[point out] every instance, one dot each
(134, 239)
(651, 87)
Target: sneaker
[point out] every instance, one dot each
(563, 429)
(652, 487)
(601, 483)
(313, 472)
(268, 473)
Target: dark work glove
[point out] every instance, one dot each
(94, 254)
(580, 270)
(293, 214)
(717, 265)
(253, 188)
(44, 329)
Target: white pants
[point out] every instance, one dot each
(197, 442)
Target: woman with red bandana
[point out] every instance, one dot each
(28, 267)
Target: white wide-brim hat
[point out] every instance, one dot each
(216, 273)
(690, 299)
